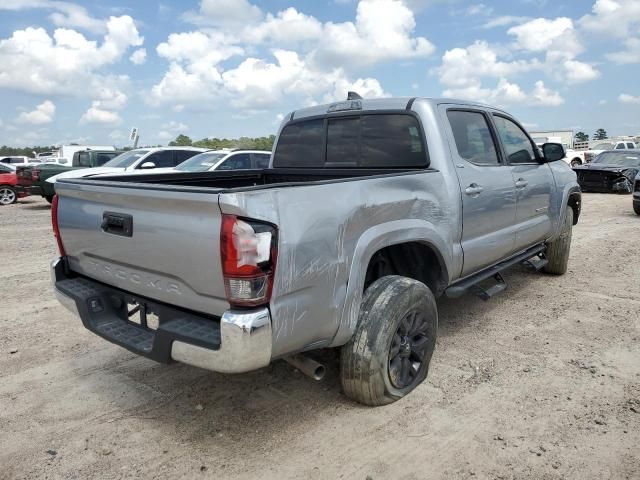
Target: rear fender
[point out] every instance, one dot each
(376, 238)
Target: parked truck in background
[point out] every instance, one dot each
(370, 211)
(32, 180)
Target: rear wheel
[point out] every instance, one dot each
(575, 162)
(558, 251)
(390, 351)
(7, 195)
(636, 208)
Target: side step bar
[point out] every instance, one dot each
(461, 287)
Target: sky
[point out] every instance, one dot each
(87, 72)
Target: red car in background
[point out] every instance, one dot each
(8, 181)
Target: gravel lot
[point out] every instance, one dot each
(541, 382)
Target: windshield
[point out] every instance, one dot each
(126, 159)
(624, 159)
(201, 162)
(602, 146)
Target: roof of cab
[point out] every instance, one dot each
(392, 103)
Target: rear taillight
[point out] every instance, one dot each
(35, 174)
(249, 250)
(54, 223)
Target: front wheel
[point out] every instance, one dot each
(636, 208)
(390, 351)
(576, 162)
(7, 195)
(558, 251)
(48, 198)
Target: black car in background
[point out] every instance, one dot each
(611, 171)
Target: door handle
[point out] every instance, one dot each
(473, 189)
(521, 183)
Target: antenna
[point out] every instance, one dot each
(353, 96)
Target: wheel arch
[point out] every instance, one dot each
(418, 237)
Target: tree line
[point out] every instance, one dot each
(600, 134)
(249, 143)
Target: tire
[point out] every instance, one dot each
(558, 251)
(48, 198)
(7, 195)
(576, 162)
(636, 208)
(372, 362)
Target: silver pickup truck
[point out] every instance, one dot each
(370, 210)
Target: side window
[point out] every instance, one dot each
(4, 169)
(161, 159)
(630, 145)
(183, 155)
(84, 159)
(473, 137)
(261, 160)
(241, 161)
(516, 143)
(620, 146)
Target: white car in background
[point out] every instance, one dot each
(226, 160)
(17, 160)
(157, 158)
(215, 160)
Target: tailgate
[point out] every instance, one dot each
(170, 252)
(24, 176)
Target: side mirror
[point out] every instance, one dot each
(553, 152)
(148, 165)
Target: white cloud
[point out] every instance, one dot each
(97, 115)
(463, 67)
(176, 127)
(631, 53)
(617, 18)
(540, 34)
(577, 72)
(224, 12)
(559, 41)
(313, 60)
(479, 9)
(504, 20)
(545, 97)
(287, 28)
(138, 57)
(42, 114)
(507, 93)
(67, 62)
(626, 98)
(65, 15)
(382, 31)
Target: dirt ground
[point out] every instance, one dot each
(541, 382)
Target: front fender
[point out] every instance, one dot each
(569, 189)
(376, 238)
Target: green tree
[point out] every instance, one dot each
(181, 141)
(600, 134)
(581, 137)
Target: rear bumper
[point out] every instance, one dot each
(32, 190)
(239, 341)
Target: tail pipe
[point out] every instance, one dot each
(306, 365)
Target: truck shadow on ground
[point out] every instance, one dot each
(37, 206)
(271, 402)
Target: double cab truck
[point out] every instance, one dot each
(32, 180)
(370, 210)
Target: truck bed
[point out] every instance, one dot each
(223, 181)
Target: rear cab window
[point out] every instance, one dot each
(367, 140)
